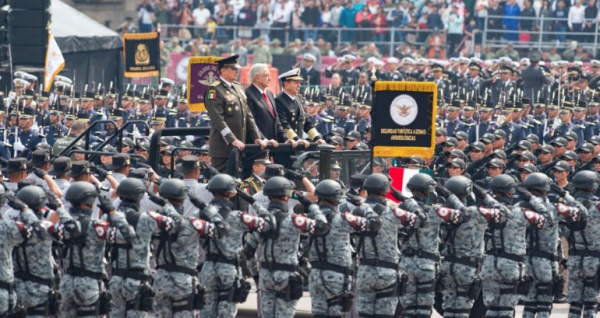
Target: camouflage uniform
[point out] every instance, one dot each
(279, 263)
(12, 233)
(330, 256)
(35, 266)
(503, 267)
(463, 254)
(421, 260)
(131, 260)
(378, 275)
(584, 259)
(175, 282)
(83, 284)
(221, 272)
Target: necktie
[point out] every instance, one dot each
(268, 104)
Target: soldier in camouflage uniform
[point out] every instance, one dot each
(12, 233)
(378, 276)
(82, 289)
(34, 265)
(221, 272)
(503, 268)
(178, 292)
(421, 255)
(463, 252)
(280, 282)
(584, 249)
(542, 244)
(130, 283)
(330, 280)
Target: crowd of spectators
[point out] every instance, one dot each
(441, 28)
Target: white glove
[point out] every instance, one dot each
(556, 124)
(18, 146)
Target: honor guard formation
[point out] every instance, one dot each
(505, 213)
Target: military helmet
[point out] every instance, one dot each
(537, 181)
(222, 183)
(174, 189)
(131, 189)
(377, 182)
(33, 196)
(459, 185)
(585, 180)
(329, 190)
(278, 186)
(421, 182)
(81, 192)
(503, 183)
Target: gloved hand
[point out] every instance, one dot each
(560, 191)
(102, 173)
(355, 199)
(72, 228)
(526, 195)
(442, 191)
(479, 191)
(105, 205)
(306, 202)
(397, 194)
(293, 175)
(39, 173)
(245, 196)
(156, 199)
(255, 278)
(556, 124)
(196, 201)
(53, 202)
(16, 203)
(159, 180)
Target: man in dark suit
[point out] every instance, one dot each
(312, 75)
(232, 123)
(533, 78)
(262, 105)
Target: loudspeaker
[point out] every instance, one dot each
(41, 5)
(28, 55)
(28, 18)
(28, 36)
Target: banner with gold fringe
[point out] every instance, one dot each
(141, 52)
(403, 119)
(203, 72)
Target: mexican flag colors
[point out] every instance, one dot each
(400, 177)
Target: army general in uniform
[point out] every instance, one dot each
(232, 123)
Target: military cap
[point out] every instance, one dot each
(168, 150)
(188, 163)
(20, 83)
(112, 92)
(573, 71)
(83, 116)
(471, 105)
(474, 66)
(457, 162)
(109, 148)
(524, 145)
(273, 170)
(458, 154)
(27, 113)
(360, 146)
(165, 141)
(528, 167)
(162, 94)
(366, 103)
(393, 60)
(78, 168)
(291, 75)
(119, 161)
(506, 69)
(562, 166)
(441, 132)
(353, 135)
(310, 57)
(571, 135)
(143, 146)
(594, 140)
(166, 82)
(525, 62)
(231, 61)
(16, 164)
(39, 157)
(450, 142)
(461, 135)
(88, 96)
(60, 166)
(584, 78)
(477, 146)
(338, 131)
(533, 138)
(595, 63)
(159, 119)
(336, 140)
(547, 148)
(496, 163)
(586, 147)
(595, 101)
(335, 165)
(44, 96)
(499, 134)
(499, 153)
(261, 157)
(569, 155)
(526, 101)
(357, 180)
(415, 160)
(527, 156)
(455, 105)
(487, 138)
(28, 93)
(437, 68)
(127, 142)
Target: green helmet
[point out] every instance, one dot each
(537, 181)
(174, 189)
(33, 196)
(81, 192)
(377, 182)
(278, 186)
(222, 183)
(329, 190)
(421, 182)
(131, 189)
(503, 183)
(585, 180)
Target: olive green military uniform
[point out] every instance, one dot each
(262, 54)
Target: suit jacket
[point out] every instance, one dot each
(312, 78)
(230, 118)
(533, 82)
(269, 125)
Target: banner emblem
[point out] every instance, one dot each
(142, 57)
(404, 110)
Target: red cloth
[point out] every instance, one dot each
(268, 104)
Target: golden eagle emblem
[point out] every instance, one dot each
(142, 55)
(211, 79)
(404, 111)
